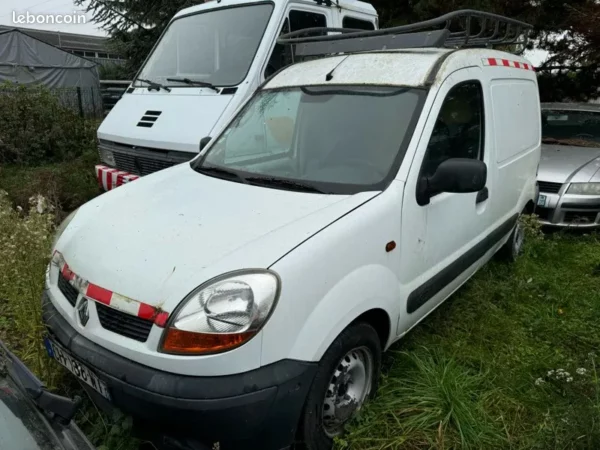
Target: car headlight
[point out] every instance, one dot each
(222, 314)
(107, 156)
(62, 227)
(584, 189)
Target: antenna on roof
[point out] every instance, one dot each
(459, 29)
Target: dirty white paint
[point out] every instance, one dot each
(381, 68)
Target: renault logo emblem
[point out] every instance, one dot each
(83, 312)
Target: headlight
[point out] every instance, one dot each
(107, 156)
(222, 314)
(62, 227)
(584, 189)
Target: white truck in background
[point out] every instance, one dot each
(209, 60)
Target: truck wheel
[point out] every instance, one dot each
(514, 246)
(347, 376)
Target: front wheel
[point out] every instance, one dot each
(347, 376)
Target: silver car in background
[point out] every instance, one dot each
(569, 173)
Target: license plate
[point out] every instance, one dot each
(542, 200)
(78, 369)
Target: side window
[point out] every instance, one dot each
(298, 20)
(357, 24)
(282, 54)
(459, 129)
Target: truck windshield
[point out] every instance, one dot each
(215, 46)
(334, 139)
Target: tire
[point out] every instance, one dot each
(510, 251)
(358, 347)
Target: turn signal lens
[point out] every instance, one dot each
(185, 342)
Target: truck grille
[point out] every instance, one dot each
(122, 323)
(141, 160)
(548, 187)
(140, 165)
(67, 289)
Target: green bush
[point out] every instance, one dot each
(67, 185)
(35, 128)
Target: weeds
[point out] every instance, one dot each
(468, 377)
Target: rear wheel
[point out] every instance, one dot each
(514, 246)
(347, 376)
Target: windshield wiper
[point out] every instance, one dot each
(280, 183)
(220, 172)
(571, 142)
(62, 407)
(205, 84)
(154, 85)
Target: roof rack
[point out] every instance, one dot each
(465, 28)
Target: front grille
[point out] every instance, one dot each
(580, 217)
(67, 289)
(140, 165)
(548, 187)
(544, 213)
(122, 323)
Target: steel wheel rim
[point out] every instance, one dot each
(518, 240)
(348, 388)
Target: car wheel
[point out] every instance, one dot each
(514, 246)
(347, 376)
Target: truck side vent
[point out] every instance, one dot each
(149, 118)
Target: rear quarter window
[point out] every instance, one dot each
(516, 115)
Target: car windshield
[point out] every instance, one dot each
(215, 46)
(334, 139)
(576, 128)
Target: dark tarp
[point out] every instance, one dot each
(26, 60)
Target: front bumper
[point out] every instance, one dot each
(572, 211)
(257, 409)
(110, 178)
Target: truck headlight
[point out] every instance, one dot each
(222, 314)
(62, 227)
(584, 189)
(107, 156)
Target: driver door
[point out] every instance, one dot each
(437, 236)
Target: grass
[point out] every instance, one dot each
(476, 374)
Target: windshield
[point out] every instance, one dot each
(576, 128)
(215, 46)
(331, 139)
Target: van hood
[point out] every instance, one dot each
(159, 238)
(184, 119)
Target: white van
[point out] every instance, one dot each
(207, 63)
(247, 296)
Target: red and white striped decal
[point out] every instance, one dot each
(507, 63)
(109, 178)
(109, 298)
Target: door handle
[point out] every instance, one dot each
(482, 195)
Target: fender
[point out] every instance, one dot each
(350, 297)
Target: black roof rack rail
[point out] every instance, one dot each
(465, 28)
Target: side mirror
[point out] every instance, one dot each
(204, 142)
(456, 175)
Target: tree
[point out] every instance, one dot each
(566, 29)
